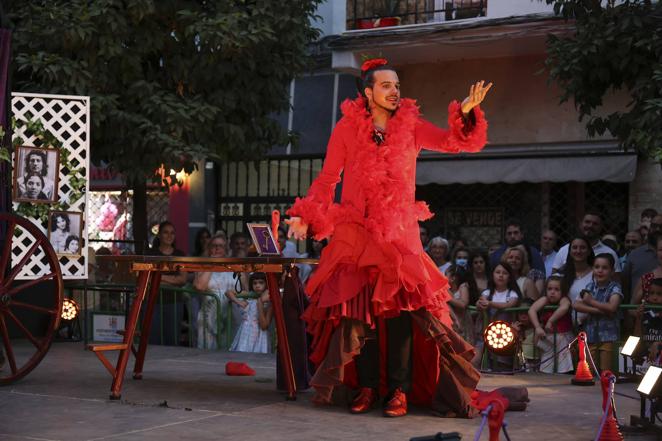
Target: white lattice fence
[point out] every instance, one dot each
(68, 119)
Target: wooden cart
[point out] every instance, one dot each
(30, 310)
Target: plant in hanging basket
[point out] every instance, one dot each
(388, 13)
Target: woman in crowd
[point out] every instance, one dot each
(60, 226)
(201, 247)
(478, 271)
(643, 286)
(314, 251)
(600, 300)
(459, 288)
(516, 257)
(164, 245)
(217, 283)
(461, 257)
(438, 251)
(578, 270)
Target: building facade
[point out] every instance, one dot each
(540, 165)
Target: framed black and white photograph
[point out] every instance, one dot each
(36, 172)
(65, 231)
(263, 239)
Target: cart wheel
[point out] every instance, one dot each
(29, 309)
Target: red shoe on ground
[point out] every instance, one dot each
(396, 404)
(364, 401)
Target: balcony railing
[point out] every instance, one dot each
(368, 14)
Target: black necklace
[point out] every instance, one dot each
(378, 136)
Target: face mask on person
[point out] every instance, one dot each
(462, 262)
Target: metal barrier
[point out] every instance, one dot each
(194, 301)
(486, 320)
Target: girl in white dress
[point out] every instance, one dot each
(256, 314)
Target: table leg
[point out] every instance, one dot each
(129, 331)
(283, 343)
(147, 325)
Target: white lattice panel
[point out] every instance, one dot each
(68, 119)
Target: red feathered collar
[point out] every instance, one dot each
(387, 172)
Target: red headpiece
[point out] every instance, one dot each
(372, 64)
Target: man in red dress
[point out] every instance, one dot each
(378, 312)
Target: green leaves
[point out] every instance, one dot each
(170, 81)
(617, 47)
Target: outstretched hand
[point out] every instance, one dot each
(297, 228)
(476, 96)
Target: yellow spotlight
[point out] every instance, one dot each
(499, 337)
(69, 309)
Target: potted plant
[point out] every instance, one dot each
(388, 14)
(385, 12)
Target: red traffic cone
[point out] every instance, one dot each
(610, 431)
(583, 376)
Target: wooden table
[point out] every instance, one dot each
(149, 270)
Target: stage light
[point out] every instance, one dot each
(69, 309)
(650, 379)
(630, 345)
(500, 338)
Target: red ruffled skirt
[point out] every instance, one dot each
(359, 282)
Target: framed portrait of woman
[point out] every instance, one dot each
(65, 232)
(36, 172)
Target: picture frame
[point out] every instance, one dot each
(65, 231)
(36, 175)
(263, 239)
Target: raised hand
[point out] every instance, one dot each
(476, 96)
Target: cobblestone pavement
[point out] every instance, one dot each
(185, 395)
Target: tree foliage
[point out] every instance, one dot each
(617, 46)
(170, 80)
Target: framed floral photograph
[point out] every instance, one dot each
(65, 229)
(263, 239)
(36, 172)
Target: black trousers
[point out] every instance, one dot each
(398, 357)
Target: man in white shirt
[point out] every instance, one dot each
(591, 227)
(548, 250)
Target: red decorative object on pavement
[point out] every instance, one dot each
(610, 431)
(495, 405)
(236, 368)
(583, 375)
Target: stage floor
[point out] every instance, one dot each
(185, 395)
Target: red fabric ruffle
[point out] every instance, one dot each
(466, 136)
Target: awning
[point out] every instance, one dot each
(466, 170)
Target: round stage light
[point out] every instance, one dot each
(499, 337)
(69, 309)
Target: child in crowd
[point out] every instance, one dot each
(524, 327)
(256, 314)
(553, 328)
(502, 293)
(462, 323)
(648, 324)
(600, 300)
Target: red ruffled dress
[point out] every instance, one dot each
(375, 266)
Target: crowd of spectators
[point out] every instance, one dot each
(586, 280)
